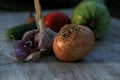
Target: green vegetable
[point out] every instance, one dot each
(93, 15)
(18, 31)
(99, 1)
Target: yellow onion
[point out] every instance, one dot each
(73, 42)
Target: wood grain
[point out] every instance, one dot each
(101, 64)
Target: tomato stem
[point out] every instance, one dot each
(92, 23)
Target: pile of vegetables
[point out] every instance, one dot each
(69, 39)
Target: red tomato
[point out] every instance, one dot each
(56, 20)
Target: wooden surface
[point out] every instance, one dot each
(103, 62)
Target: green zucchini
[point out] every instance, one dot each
(18, 31)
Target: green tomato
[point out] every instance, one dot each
(93, 15)
(99, 1)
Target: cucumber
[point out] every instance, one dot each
(17, 32)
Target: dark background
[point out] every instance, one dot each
(29, 4)
(24, 5)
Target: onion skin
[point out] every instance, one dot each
(21, 50)
(76, 46)
(31, 36)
